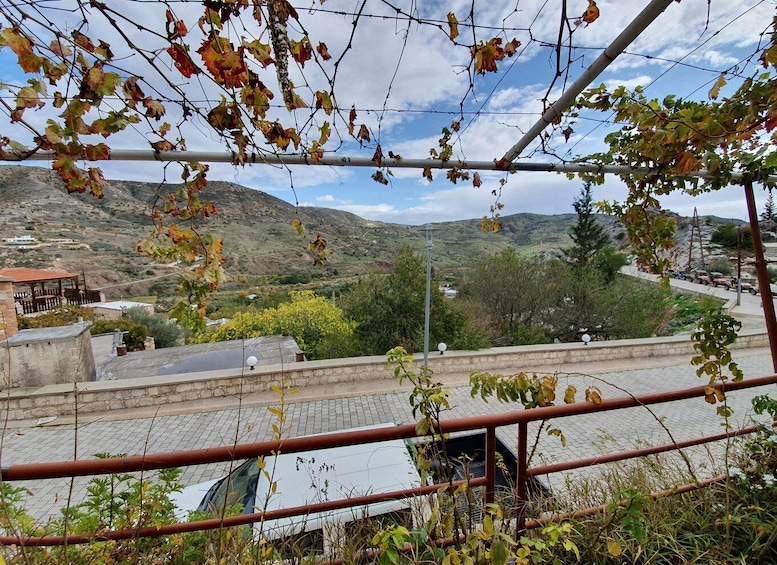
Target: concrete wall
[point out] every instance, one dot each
(49, 356)
(454, 366)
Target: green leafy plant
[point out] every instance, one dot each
(488, 540)
(13, 516)
(627, 508)
(428, 399)
(134, 334)
(715, 332)
(165, 332)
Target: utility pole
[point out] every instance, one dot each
(428, 293)
(695, 229)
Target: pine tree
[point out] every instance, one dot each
(587, 234)
(769, 212)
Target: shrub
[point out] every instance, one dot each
(728, 235)
(308, 318)
(688, 310)
(294, 278)
(524, 335)
(722, 266)
(165, 332)
(63, 316)
(134, 334)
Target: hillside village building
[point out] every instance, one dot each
(20, 240)
(37, 290)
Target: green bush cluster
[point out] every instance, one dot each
(137, 323)
(62, 316)
(733, 237)
(317, 325)
(135, 334)
(165, 332)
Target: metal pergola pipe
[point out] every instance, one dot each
(619, 44)
(297, 159)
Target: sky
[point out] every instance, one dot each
(408, 81)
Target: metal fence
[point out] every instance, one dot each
(488, 424)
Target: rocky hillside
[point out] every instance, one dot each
(98, 237)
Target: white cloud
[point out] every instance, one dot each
(630, 83)
(508, 99)
(429, 78)
(539, 193)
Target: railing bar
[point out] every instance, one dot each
(220, 454)
(372, 554)
(632, 454)
(682, 489)
(521, 494)
(232, 521)
(490, 465)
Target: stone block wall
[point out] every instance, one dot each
(454, 366)
(8, 325)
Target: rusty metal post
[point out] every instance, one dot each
(490, 464)
(521, 492)
(762, 273)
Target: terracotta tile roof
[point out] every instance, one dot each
(24, 275)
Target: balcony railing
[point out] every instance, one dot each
(36, 304)
(44, 303)
(79, 297)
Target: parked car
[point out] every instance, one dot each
(718, 279)
(747, 285)
(700, 276)
(755, 290)
(323, 475)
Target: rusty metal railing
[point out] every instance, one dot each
(489, 423)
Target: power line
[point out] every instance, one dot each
(674, 64)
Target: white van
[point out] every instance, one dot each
(311, 477)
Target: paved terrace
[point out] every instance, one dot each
(203, 425)
(214, 422)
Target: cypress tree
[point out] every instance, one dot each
(587, 234)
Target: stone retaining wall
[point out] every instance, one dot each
(455, 366)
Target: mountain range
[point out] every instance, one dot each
(98, 237)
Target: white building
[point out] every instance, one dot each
(19, 240)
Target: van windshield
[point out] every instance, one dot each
(237, 488)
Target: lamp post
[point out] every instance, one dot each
(428, 293)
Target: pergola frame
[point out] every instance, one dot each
(35, 277)
(507, 163)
